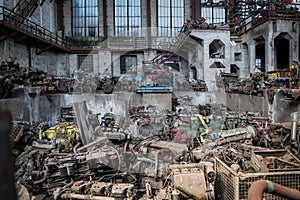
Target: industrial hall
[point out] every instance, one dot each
(150, 99)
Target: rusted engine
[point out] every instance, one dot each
(96, 190)
(14, 77)
(194, 180)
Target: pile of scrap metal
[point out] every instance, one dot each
(234, 119)
(185, 106)
(67, 114)
(65, 136)
(126, 83)
(198, 85)
(197, 24)
(135, 167)
(254, 85)
(152, 154)
(287, 80)
(85, 82)
(55, 84)
(247, 158)
(13, 77)
(22, 134)
(103, 171)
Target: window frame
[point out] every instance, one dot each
(214, 18)
(86, 16)
(237, 56)
(128, 28)
(85, 62)
(124, 68)
(170, 30)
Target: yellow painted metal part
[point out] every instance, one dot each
(66, 133)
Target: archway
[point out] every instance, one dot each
(260, 55)
(282, 51)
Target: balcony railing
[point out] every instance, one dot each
(20, 23)
(272, 11)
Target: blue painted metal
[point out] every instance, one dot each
(158, 89)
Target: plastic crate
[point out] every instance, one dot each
(231, 185)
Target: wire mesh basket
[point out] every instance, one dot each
(231, 185)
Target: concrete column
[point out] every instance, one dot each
(104, 61)
(110, 18)
(270, 50)
(270, 54)
(41, 14)
(101, 18)
(190, 72)
(153, 17)
(244, 72)
(51, 20)
(252, 55)
(200, 61)
(294, 48)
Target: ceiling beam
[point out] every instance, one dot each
(8, 36)
(44, 49)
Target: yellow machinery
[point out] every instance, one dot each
(66, 134)
(288, 77)
(205, 130)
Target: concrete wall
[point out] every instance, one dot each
(54, 63)
(36, 108)
(269, 31)
(242, 64)
(161, 101)
(33, 107)
(281, 108)
(208, 36)
(116, 62)
(201, 98)
(68, 17)
(242, 103)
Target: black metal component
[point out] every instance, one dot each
(7, 182)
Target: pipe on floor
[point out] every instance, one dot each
(294, 117)
(258, 188)
(84, 196)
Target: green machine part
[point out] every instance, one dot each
(196, 127)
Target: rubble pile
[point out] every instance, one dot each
(284, 80)
(254, 85)
(151, 154)
(14, 77)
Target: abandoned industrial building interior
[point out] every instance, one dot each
(149, 99)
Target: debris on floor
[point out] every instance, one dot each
(152, 154)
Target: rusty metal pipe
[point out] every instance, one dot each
(294, 118)
(258, 188)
